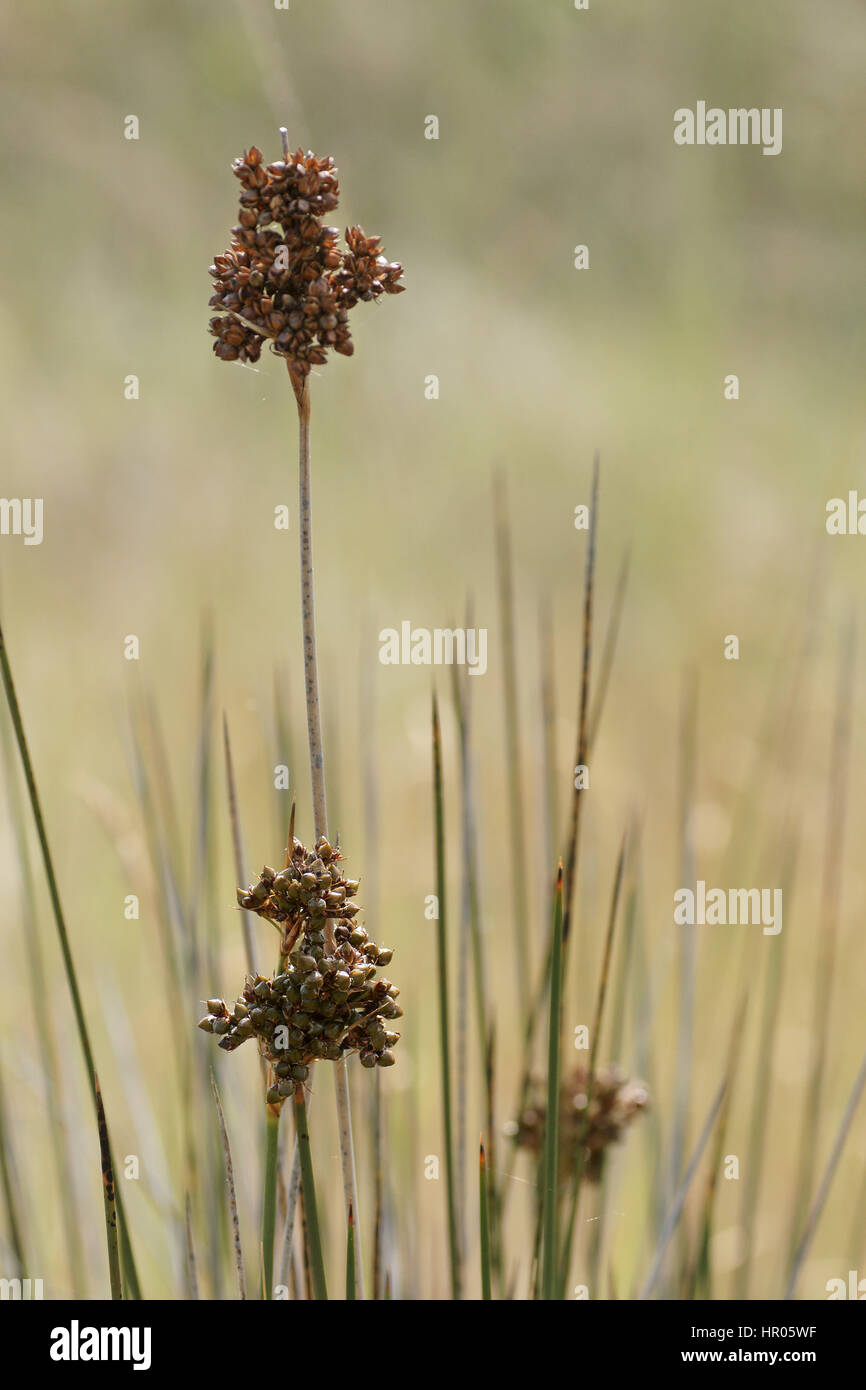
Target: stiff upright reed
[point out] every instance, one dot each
(115, 1217)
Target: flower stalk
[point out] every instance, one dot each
(317, 778)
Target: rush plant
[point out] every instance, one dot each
(286, 279)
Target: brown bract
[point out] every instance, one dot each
(285, 276)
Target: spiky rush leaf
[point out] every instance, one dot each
(350, 1259)
(269, 1202)
(444, 1012)
(66, 951)
(484, 1216)
(311, 1212)
(551, 1134)
(108, 1197)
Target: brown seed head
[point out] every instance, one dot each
(285, 277)
(615, 1103)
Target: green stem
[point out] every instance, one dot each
(350, 1261)
(444, 1028)
(109, 1200)
(512, 745)
(551, 1128)
(66, 951)
(593, 1059)
(317, 774)
(269, 1204)
(314, 1239)
(485, 1226)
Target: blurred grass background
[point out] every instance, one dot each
(555, 129)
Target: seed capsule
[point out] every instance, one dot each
(329, 1001)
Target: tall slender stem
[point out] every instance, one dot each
(484, 1210)
(269, 1206)
(133, 1289)
(109, 1200)
(308, 612)
(314, 1239)
(512, 745)
(551, 1132)
(317, 775)
(444, 1025)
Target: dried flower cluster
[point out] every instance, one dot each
(308, 890)
(324, 1003)
(615, 1104)
(285, 276)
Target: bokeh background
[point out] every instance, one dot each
(555, 129)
